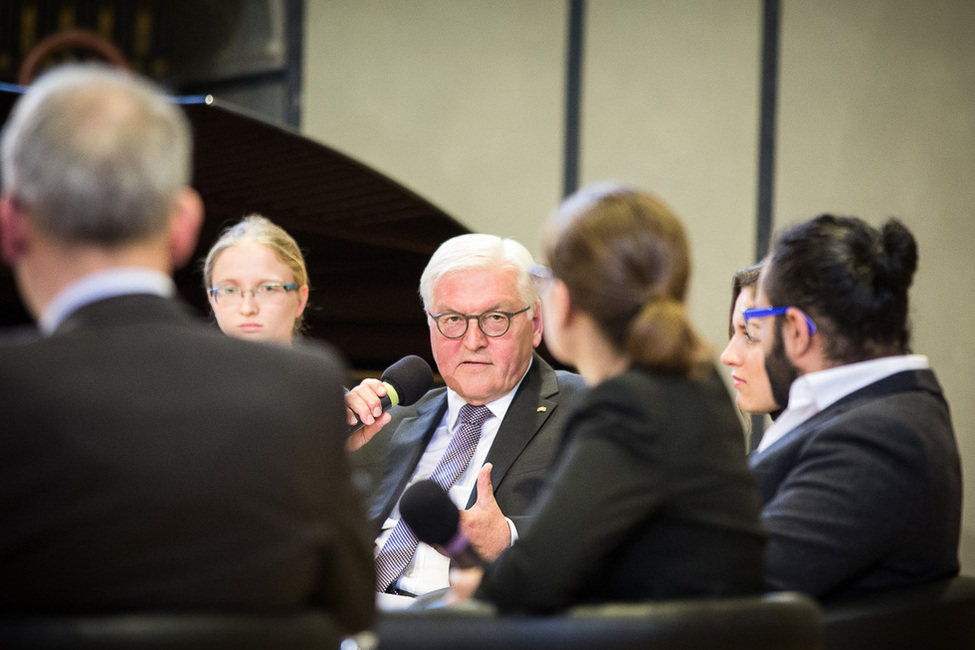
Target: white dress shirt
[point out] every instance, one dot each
(814, 391)
(429, 569)
(98, 286)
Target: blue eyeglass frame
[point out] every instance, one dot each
(762, 312)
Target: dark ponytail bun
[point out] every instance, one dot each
(897, 259)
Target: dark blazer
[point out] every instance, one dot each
(866, 494)
(151, 463)
(650, 499)
(522, 451)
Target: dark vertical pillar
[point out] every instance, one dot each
(771, 14)
(766, 148)
(573, 96)
(295, 11)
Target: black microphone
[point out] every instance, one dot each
(406, 381)
(434, 519)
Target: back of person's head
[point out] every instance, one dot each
(625, 260)
(851, 279)
(259, 229)
(96, 155)
(479, 252)
(746, 278)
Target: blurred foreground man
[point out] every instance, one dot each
(860, 475)
(150, 463)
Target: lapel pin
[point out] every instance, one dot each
(541, 409)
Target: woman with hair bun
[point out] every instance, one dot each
(650, 497)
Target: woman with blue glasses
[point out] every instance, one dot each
(257, 282)
(744, 355)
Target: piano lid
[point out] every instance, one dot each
(366, 238)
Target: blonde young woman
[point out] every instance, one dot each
(257, 282)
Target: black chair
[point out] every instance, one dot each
(781, 621)
(156, 631)
(938, 615)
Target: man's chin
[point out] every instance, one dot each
(476, 392)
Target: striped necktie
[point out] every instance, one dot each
(398, 550)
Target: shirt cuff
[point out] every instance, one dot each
(513, 530)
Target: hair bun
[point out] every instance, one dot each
(897, 259)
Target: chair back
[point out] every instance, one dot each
(158, 631)
(934, 615)
(781, 621)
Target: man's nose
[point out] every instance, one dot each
(474, 337)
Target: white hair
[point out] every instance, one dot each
(479, 252)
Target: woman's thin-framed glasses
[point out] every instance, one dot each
(268, 291)
(762, 312)
(493, 323)
(541, 275)
(541, 272)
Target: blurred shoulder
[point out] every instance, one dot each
(570, 382)
(19, 335)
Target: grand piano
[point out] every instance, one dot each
(366, 238)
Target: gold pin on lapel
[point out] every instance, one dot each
(541, 409)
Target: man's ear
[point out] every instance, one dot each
(13, 230)
(796, 336)
(184, 227)
(537, 324)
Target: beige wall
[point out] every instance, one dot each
(462, 102)
(459, 100)
(671, 93)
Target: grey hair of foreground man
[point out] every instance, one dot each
(96, 155)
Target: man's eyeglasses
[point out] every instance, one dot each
(762, 312)
(493, 323)
(267, 292)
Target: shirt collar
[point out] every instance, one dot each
(101, 285)
(816, 391)
(829, 386)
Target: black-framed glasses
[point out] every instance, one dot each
(762, 312)
(493, 323)
(266, 292)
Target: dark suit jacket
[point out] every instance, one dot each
(866, 494)
(522, 451)
(151, 463)
(650, 499)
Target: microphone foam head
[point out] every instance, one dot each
(427, 509)
(411, 376)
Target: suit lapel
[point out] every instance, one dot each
(532, 405)
(406, 446)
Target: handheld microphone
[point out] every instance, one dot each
(406, 381)
(434, 519)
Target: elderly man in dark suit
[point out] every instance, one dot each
(149, 462)
(860, 475)
(483, 313)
